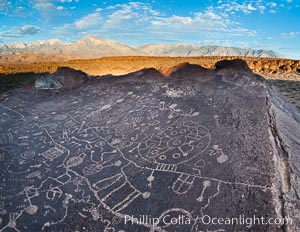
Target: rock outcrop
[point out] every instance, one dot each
(184, 69)
(64, 78)
(274, 66)
(213, 151)
(233, 65)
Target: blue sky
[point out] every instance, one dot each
(259, 24)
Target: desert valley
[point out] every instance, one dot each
(35, 58)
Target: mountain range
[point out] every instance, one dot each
(93, 47)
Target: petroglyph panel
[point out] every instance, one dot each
(75, 161)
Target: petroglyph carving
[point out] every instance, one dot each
(183, 184)
(75, 160)
(28, 154)
(111, 151)
(54, 152)
(92, 169)
(176, 144)
(218, 152)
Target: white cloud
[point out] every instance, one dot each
(15, 32)
(3, 4)
(272, 4)
(261, 9)
(129, 15)
(46, 7)
(29, 30)
(88, 21)
(248, 7)
(63, 1)
(139, 21)
(289, 35)
(204, 24)
(200, 21)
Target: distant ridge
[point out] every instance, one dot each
(30, 57)
(188, 50)
(87, 47)
(93, 47)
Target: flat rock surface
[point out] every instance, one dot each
(173, 153)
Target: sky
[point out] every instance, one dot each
(259, 24)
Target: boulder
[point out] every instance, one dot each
(47, 82)
(64, 78)
(70, 78)
(185, 69)
(237, 64)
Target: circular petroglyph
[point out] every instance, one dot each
(176, 156)
(175, 144)
(28, 154)
(162, 157)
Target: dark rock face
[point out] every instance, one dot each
(186, 69)
(285, 128)
(237, 64)
(151, 73)
(150, 154)
(64, 78)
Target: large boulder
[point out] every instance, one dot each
(64, 78)
(185, 69)
(237, 64)
(237, 72)
(47, 81)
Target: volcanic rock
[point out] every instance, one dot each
(184, 69)
(64, 78)
(47, 82)
(147, 73)
(132, 153)
(237, 64)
